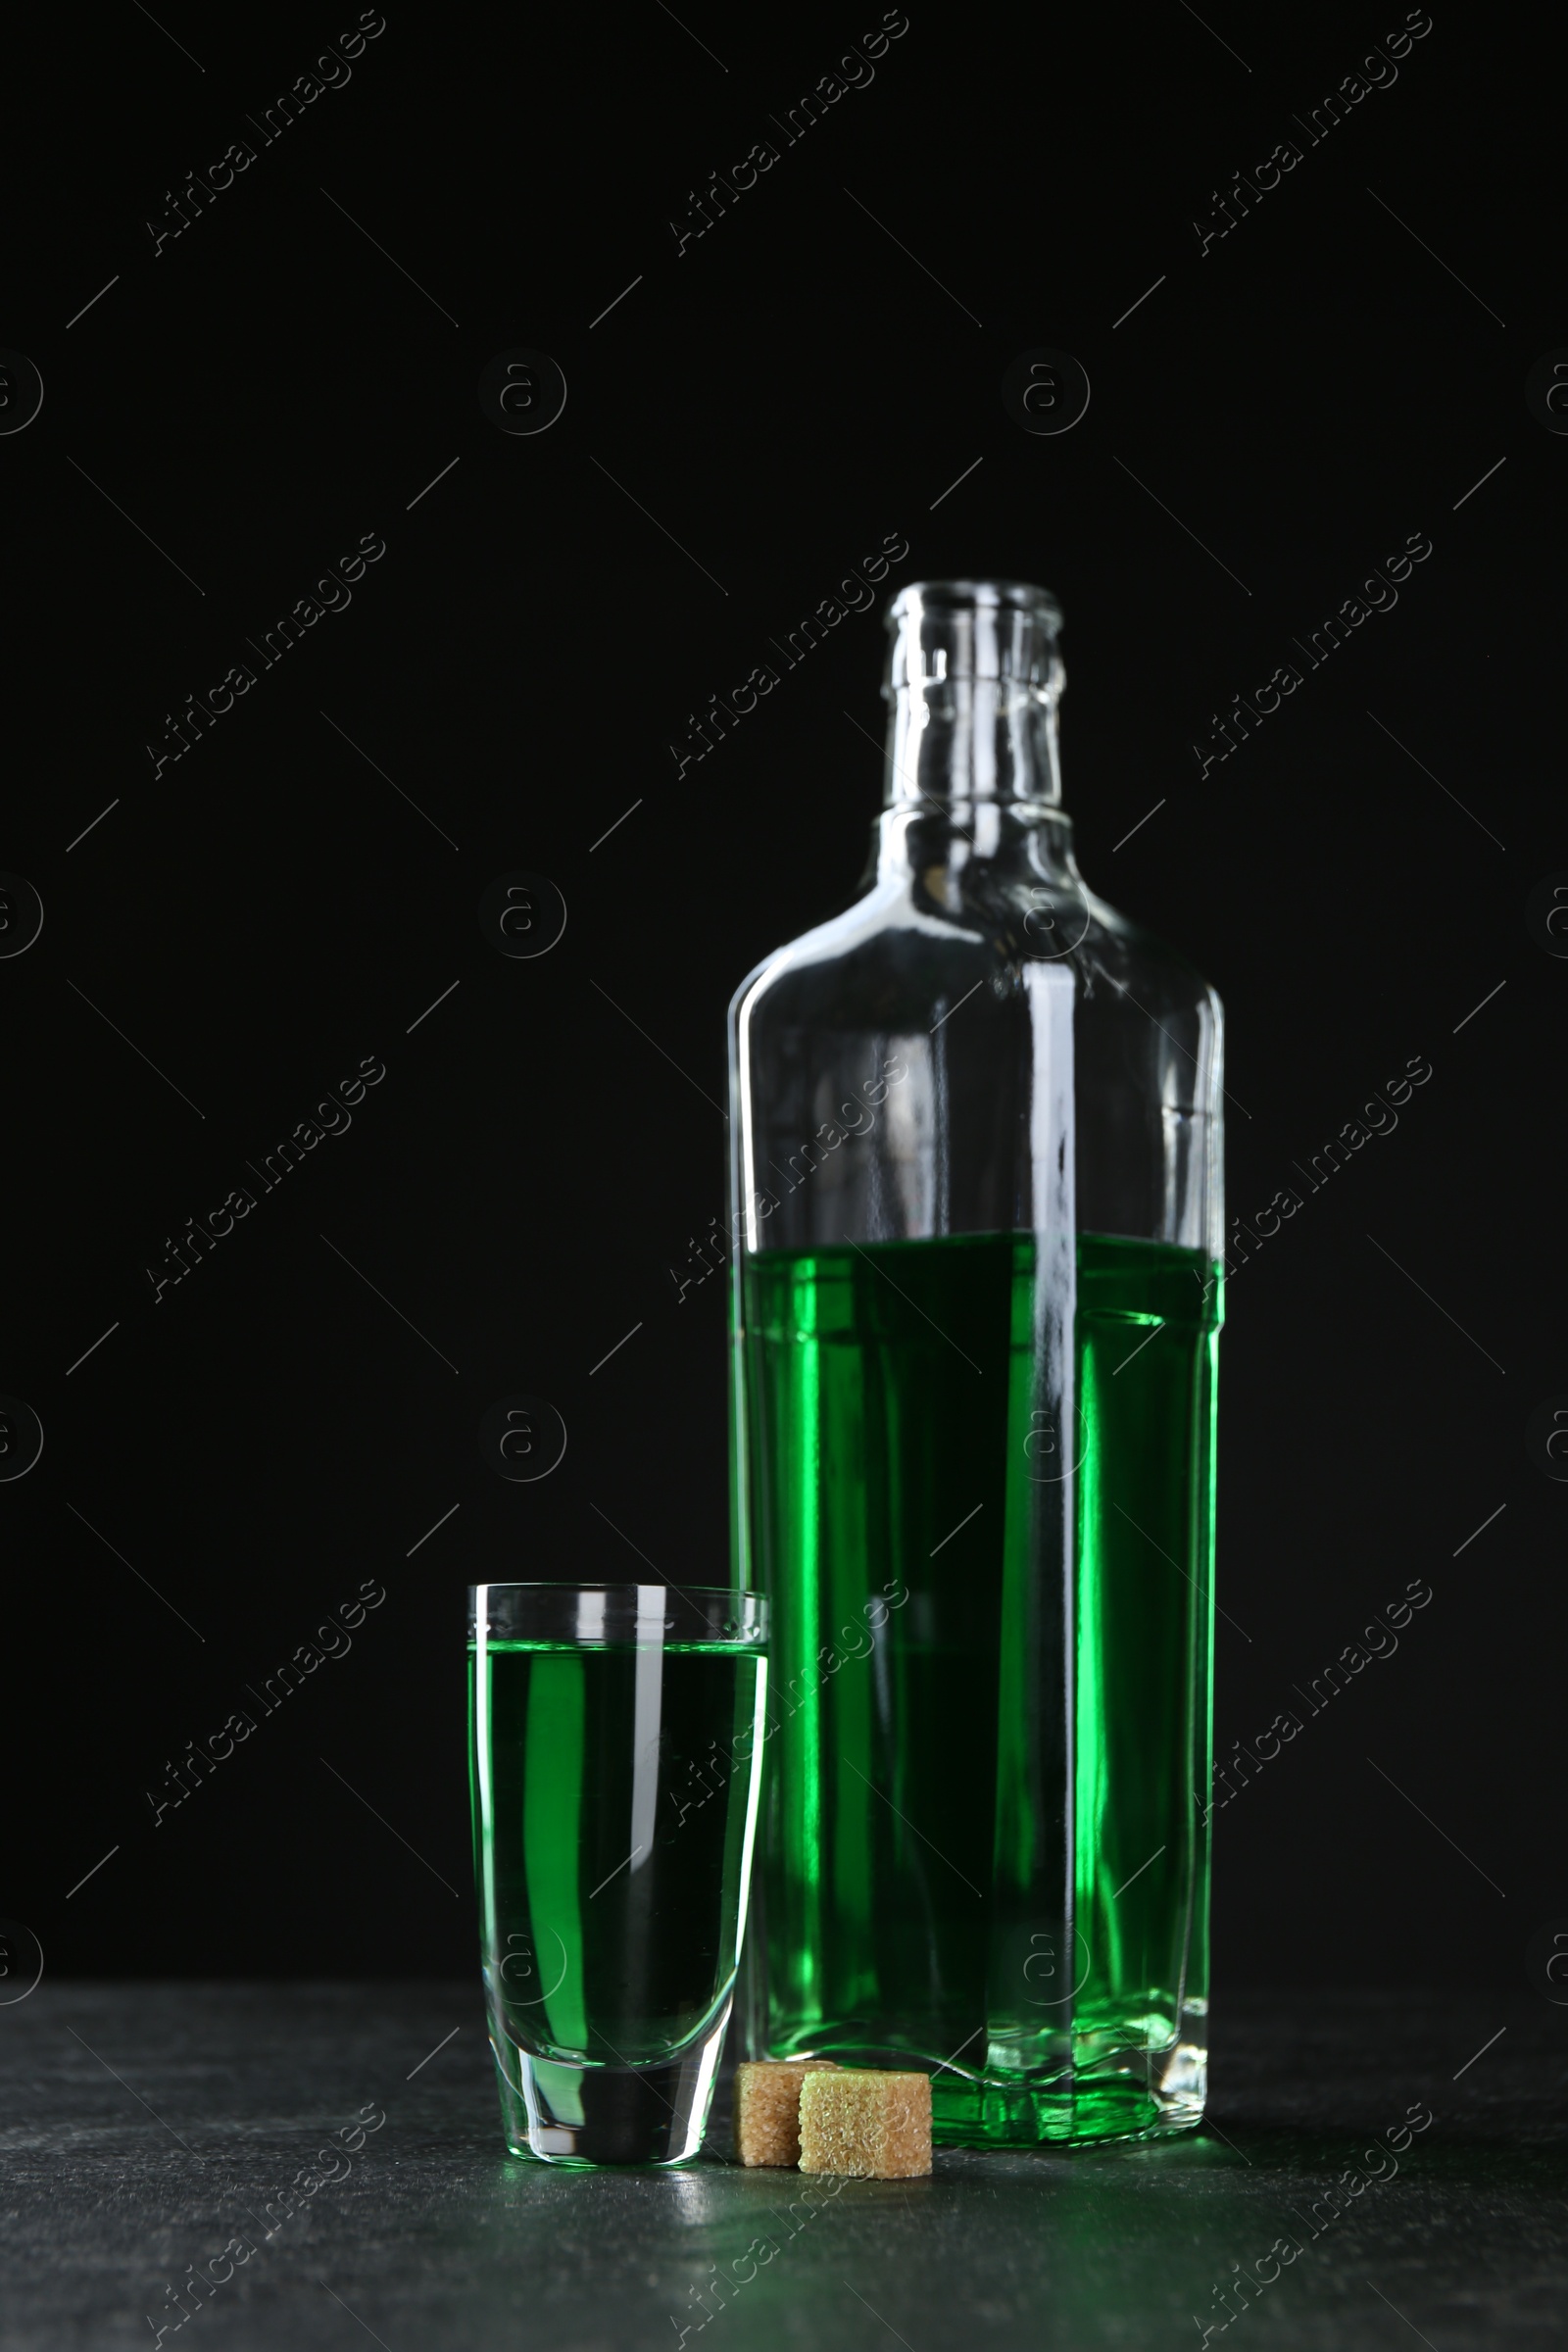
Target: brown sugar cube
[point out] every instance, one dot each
(865, 2124)
(768, 2108)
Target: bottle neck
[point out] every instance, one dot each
(1006, 841)
(959, 741)
(972, 683)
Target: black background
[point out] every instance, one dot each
(546, 1145)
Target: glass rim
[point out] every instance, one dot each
(617, 1611)
(604, 1584)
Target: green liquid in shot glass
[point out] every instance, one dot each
(612, 1819)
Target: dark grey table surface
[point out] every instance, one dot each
(146, 2126)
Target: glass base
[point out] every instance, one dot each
(1134, 2095)
(601, 2115)
(1099, 2092)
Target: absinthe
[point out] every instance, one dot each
(893, 1451)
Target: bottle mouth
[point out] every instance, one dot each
(951, 631)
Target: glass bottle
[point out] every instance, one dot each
(976, 1200)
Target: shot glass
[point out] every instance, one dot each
(616, 1736)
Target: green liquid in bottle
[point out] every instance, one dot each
(888, 1395)
(611, 1798)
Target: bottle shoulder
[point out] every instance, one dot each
(884, 921)
(1120, 946)
(899, 935)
